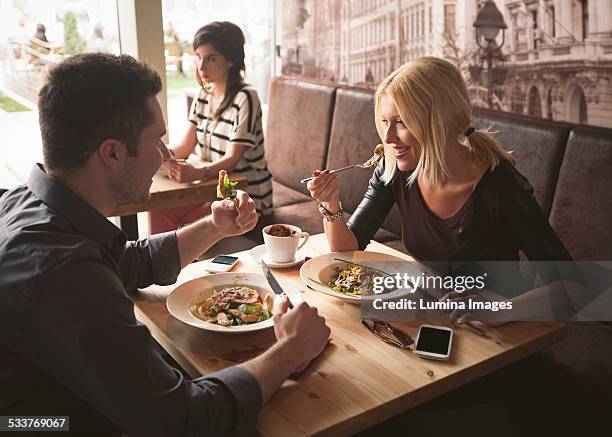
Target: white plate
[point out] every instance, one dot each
(323, 267)
(198, 289)
(259, 252)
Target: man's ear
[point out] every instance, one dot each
(112, 153)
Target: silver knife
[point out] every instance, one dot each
(276, 288)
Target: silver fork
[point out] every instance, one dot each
(368, 164)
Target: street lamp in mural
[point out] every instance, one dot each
(291, 59)
(489, 21)
(297, 16)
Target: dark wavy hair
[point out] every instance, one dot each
(228, 40)
(92, 97)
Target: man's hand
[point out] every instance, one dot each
(302, 329)
(301, 336)
(183, 171)
(229, 217)
(234, 216)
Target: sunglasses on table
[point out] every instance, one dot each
(387, 333)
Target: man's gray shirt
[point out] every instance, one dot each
(65, 314)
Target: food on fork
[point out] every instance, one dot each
(226, 188)
(379, 152)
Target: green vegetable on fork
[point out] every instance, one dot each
(226, 189)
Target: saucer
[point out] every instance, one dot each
(259, 252)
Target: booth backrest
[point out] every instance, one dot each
(297, 135)
(537, 147)
(352, 140)
(582, 206)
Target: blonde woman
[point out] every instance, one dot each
(458, 192)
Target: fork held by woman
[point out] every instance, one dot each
(372, 162)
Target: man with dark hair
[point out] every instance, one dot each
(70, 344)
(90, 98)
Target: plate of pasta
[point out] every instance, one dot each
(351, 276)
(224, 302)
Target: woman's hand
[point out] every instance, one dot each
(458, 317)
(183, 171)
(324, 188)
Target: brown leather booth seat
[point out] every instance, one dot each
(537, 147)
(582, 205)
(297, 133)
(296, 142)
(353, 138)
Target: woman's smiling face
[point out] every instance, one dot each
(405, 146)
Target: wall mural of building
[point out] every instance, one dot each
(555, 62)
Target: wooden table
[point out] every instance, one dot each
(358, 381)
(166, 193)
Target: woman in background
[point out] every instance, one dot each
(225, 126)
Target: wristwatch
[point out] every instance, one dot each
(327, 215)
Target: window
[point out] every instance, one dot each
(449, 19)
(33, 38)
(585, 19)
(535, 33)
(422, 22)
(552, 21)
(516, 31)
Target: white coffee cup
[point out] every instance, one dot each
(283, 249)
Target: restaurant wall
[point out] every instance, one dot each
(555, 61)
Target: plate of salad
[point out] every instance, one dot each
(224, 302)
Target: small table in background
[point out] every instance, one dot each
(166, 193)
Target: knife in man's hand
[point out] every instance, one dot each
(276, 288)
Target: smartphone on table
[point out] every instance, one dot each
(434, 342)
(221, 263)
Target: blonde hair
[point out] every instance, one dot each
(433, 102)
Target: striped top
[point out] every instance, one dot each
(240, 123)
